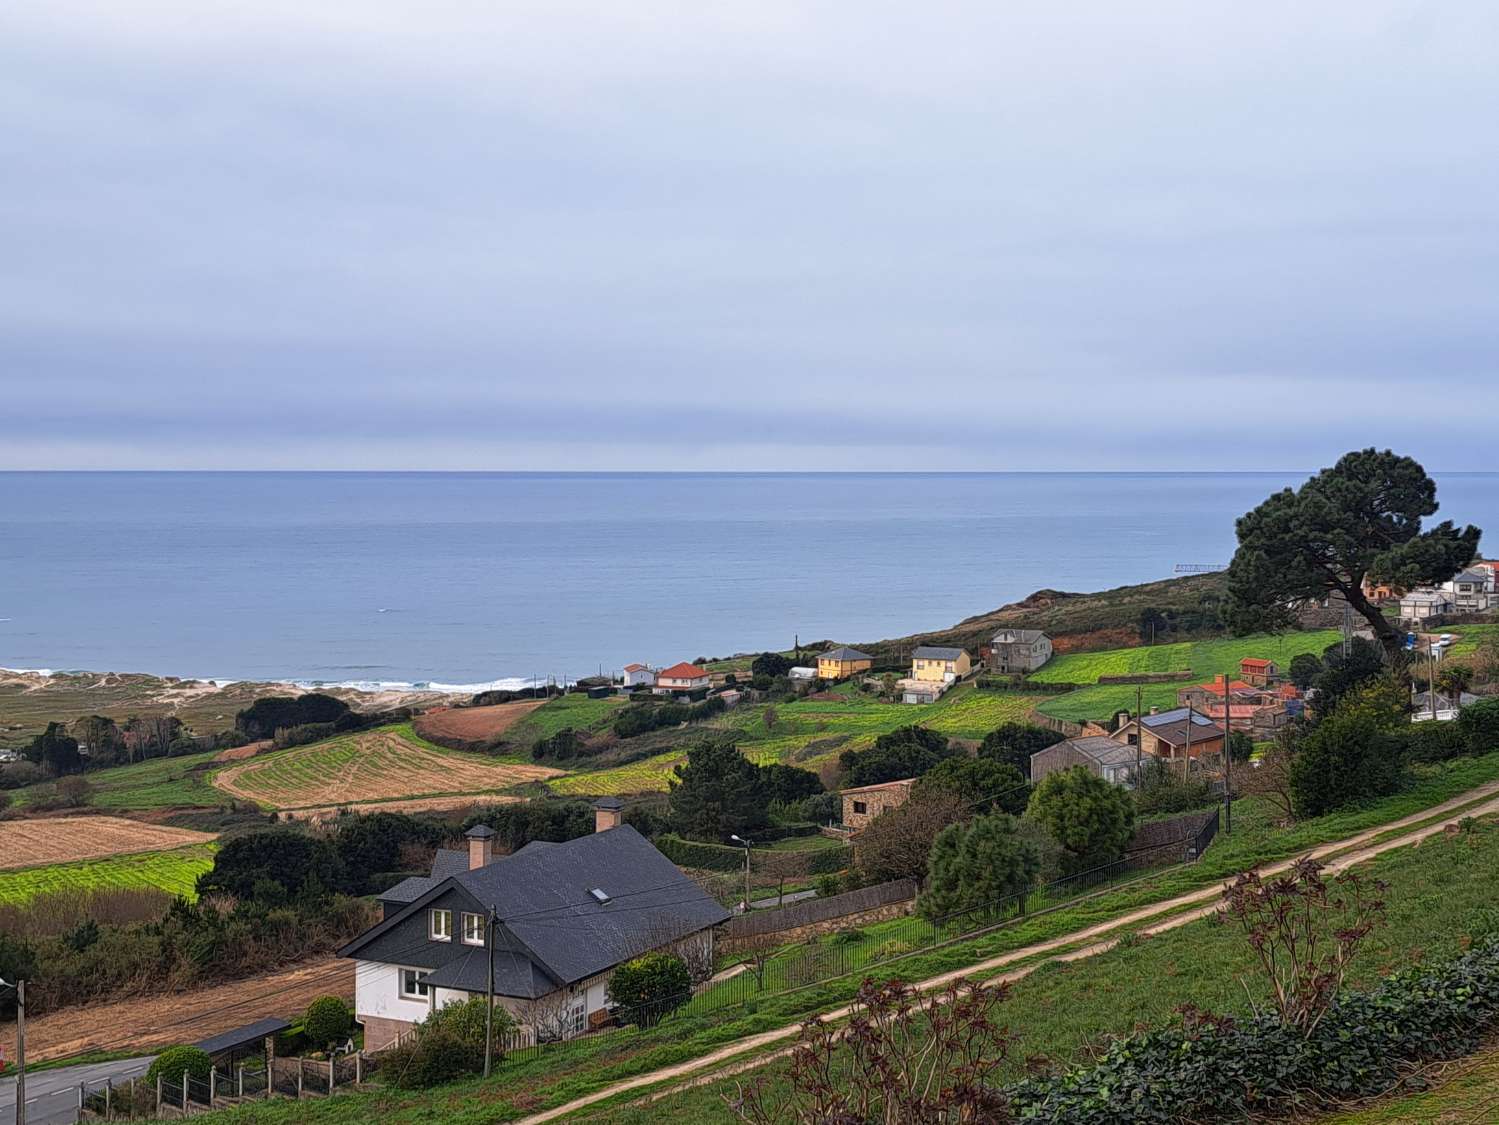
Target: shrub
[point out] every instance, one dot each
(449, 1044)
(172, 1062)
(73, 791)
(905, 752)
(828, 885)
(984, 783)
(1349, 756)
(266, 716)
(1162, 790)
(1435, 742)
(1014, 743)
(1240, 746)
(18, 775)
(1089, 817)
(1479, 722)
(898, 843)
(327, 1021)
(650, 987)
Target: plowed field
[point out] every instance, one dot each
(474, 724)
(66, 839)
(370, 766)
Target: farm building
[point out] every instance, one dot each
(682, 677)
(1259, 673)
(841, 663)
(1099, 755)
(920, 691)
(939, 664)
(1018, 650)
(639, 675)
(1173, 734)
(567, 915)
(862, 804)
(1418, 605)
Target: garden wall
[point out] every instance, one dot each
(897, 894)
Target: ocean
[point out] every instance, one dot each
(469, 579)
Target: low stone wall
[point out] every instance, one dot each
(818, 929)
(1150, 678)
(1150, 843)
(808, 911)
(1061, 726)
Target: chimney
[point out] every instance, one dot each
(1154, 710)
(480, 846)
(608, 812)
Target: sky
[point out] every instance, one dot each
(747, 235)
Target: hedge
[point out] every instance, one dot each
(705, 857)
(1258, 1068)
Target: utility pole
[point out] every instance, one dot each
(1431, 677)
(20, 987)
(1187, 762)
(1228, 763)
(1139, 737)
(742, 842)
(489, 994)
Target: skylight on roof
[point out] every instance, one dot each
(600, 896)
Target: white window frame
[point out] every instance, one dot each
(444, 931)
(478, 920)
(420, 990)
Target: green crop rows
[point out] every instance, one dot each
(176, 871)
(1206, 658)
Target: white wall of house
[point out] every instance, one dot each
(377, 992)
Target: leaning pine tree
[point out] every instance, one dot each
(1359, 519)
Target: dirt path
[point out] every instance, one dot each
(148, 1023)
(1092, 940)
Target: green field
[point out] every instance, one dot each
(176, 871)
(1207, 658)
(1469, 637)
(1101, 701)
(573, 710)
(158, 783)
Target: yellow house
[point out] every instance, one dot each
(937, 664)
(841, 663)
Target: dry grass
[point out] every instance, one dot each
(67, 839)
(473, 724)
(375, 765)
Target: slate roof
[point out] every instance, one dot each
(1171, 726)
(845, 653)
(1104, 751)
(552, 930)
(1017, 637)
(935, 652)
(249, 1035)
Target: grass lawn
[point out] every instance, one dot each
(1469, 637)
(1438, 898)
(1102, 700)
(176, 871)
(158, 783)
(1209, 657)
(563, 1072)
(1466, 1093)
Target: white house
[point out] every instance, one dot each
(1423, 603)
(682, 677)
(639, 675)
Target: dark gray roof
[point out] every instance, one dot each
(246, 1036)
(1171, 726)
(845, 653)
(935, 652)
(1017, 636)
(552, 929)
(449, 861)
(479, 832)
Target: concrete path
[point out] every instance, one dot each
(1094, 940)
(52, 1095)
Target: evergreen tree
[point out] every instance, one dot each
(978, 864)
(1091, 818)
(717, 793)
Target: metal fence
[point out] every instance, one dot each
(183, 1095)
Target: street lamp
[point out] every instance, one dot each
(20, 987)
(745, 844)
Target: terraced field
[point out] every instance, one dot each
(375, 765)
(174, 871)
(576, 711)
(65, 839)
(1206, 657)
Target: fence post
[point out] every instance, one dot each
(80, 1101)
(332, 1077)
(299, 1079)
(213, 1085)
(184, 1093)
(109, 1099)
(239, 1084)
(158, 1095)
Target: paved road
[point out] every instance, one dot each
(52, 1095)
(793, 896)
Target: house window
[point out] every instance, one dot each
(440, 925)
(861, 806)
(414, 984)
(473, 929)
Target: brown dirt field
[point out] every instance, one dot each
(372, 766)
(474, 724)
(148, 1023)
(416, 804)
(240, 753)
(31, 843)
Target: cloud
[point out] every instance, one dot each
(744, 235)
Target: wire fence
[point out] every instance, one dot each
(172, 1096)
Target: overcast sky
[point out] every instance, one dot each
(743, 235)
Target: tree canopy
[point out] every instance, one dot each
(1014, 743)
(718, 792)
(902, 753)
(1091, 818)
(982, 782)
(897, 843)
(977, 864)
(1359, 519)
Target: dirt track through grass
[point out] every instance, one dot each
(1087, 942)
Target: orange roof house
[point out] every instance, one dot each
(682, 677)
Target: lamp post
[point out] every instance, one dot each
(20, 987)
(745, 844)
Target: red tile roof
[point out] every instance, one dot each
(1254, 662)
(634, 667)
(1216, 686)
(683, 671)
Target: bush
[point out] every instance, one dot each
(327, 1021)
(18, 775)
(984, 783)
(264, 717)
(73, 791)
(1089, 817)
(1220, 1070)
(906, 752)
(1014, 743)
(1435, 742)
(1240, 747)
(172, 1062)
(448, 1045)
(1479, 722)
(650, 987)
(1162, 790)
(1350, 756)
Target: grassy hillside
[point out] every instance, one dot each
(158, 783)
(1207, 657)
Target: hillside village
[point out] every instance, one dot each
(677, 863)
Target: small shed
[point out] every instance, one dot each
(229, 1048)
